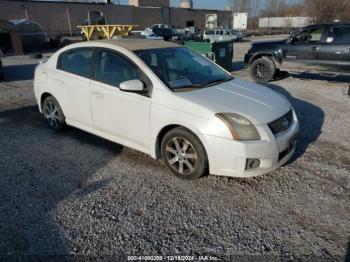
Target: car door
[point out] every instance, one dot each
(227, 36)
(122, 116)
(221, 35)
(72, 80)
(335, 52)
(301, 52)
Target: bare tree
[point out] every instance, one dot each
(284, 8)
(240, 6)
(254, 7)
(327, 11)
(244, 6)
(274, 8)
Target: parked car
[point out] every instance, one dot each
(148, 34)
(321, 48)
(167, 33)
(160, 26)
(240, 35)
(153, 36)
(215, 35)
(169, 102)
(1, 68)
(191, 35)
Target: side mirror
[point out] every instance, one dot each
(132, 86)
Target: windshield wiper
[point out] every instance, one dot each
(211, 83)
(189, 86)
(217, 81)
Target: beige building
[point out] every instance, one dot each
(154, 3)
(186, 4)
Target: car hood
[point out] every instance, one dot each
(259, 104)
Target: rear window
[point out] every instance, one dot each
(77, 61)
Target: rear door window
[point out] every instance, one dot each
(339, 35)
(76, 61)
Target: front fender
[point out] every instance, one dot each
(276, 55)
(160, 119)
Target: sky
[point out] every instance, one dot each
(205, 4)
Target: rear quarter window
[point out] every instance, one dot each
(76, 61)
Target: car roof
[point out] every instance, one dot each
(218, 29)
(331, 24)
(139, 44)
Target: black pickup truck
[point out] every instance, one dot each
(321, 48)
(1, 69)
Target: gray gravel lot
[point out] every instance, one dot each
(76, 194)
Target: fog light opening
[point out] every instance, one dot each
(252, 164)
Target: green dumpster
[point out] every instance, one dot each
(220, 52)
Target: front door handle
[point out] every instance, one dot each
(315, 48)
(98, 95)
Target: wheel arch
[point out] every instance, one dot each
(167, 129)
(269, 55)
(43, 97)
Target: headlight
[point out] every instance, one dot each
(241, 128)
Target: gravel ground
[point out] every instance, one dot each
(74, 194)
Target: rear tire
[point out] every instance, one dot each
(262, 70)
(184, 154)
(53, 114)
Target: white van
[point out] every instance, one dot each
(216, 35)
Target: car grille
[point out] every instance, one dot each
(282, 124)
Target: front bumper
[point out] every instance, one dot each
(229, 158)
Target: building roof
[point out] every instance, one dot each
(140, 44)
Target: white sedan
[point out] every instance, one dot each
(169, 102)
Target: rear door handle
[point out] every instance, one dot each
(315, 48)
(98, 95)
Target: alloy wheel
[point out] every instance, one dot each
(261, 70)
(181, 155)
(52, 114)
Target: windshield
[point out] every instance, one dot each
(181, 68)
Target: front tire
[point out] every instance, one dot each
(184, 154)
(262, 70)
(53, 114)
